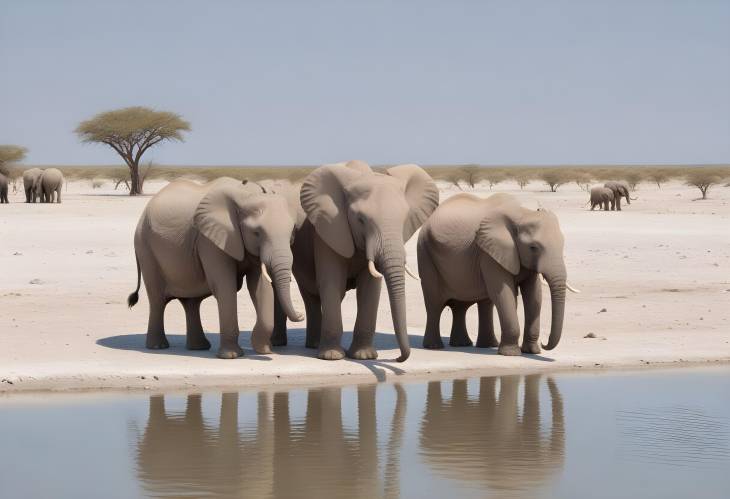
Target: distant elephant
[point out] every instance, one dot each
(194, 241)
(475, 250)
(30, 177)
(49, 183)
(357, 220)
(620, 189)
(489, 438)
(3, 189)
(601, 196)
(278, 454)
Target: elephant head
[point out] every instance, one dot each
(519, 238)
(354, 209)
(620, 189)
(246, 219)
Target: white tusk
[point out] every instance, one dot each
(373, 272)
(542, 279)
(571, 288)
(411, 273)
(265, 272)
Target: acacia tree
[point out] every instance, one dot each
(583, 180)
(658, 177)
(633, 178)
(10, 154)
(703, 179)
(130, 132)
(554, 179)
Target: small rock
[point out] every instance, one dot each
(17, 253)
(590, 335)
(156, 378)
(35, 281)
(602, 310)
(89, 252)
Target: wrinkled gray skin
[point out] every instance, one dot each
(3, 189)
(475, 250)
(354, 216)
(517, 448)
(30, 177)
(48, 184)
(620, 189)
(194, 241)
(601, 196)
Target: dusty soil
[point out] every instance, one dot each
(655, 281)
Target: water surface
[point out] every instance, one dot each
(643, 434)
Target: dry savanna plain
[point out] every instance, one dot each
(655, 282)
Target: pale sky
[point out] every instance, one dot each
(308, 82)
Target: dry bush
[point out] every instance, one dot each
(658, 177)
(96, 183)
(583, 180)
(555, 177)
(10, 154)
(704, 178)
(633, 178)
(494, 177)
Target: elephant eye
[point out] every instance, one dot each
(534, 248)
(361, 220)
(256, 233)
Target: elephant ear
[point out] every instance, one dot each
(216, 218)
(422, 195)
(323, 200)
(495, 236)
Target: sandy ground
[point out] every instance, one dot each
(655, 281)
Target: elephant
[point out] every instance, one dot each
(277, 455)
(601, 196)
(3, 189)
(486, 439)
(357, 220)
(47, 184)
(193, 241)
(620, 189)
(475, 250)
(30, 177)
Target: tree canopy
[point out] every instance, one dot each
(132, 131)
(10, 154)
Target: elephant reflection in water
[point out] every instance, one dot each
(181, 454)
(487, 440)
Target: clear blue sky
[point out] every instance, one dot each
(306, 82)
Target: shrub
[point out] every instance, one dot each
(554, 178)
(703, 179)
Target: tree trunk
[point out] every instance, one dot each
(135, 188)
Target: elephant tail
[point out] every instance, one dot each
(134, 297)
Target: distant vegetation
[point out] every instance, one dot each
(10, 154)
(464, 177)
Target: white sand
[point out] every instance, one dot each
(660, 268)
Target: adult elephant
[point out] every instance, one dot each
(601, 197)
(475, 250)
(620, 189)
(486, 438)
(30, 178)
(3, 189)
(193, 241)
(48, 185)
(357, 222)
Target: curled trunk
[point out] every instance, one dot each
(280, 265)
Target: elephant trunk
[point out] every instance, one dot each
(281, 263)
(392, 263)
(556, 281)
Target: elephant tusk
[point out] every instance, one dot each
(373, 272)
(571, 288)
(411, 273)
(265, 273)
(542, 280)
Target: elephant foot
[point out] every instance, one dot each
(433, 344)
(158, 343)
(510, 350)
(261, 347)
(531, 347)
(460, 341)
(362, 353)
(230, 352)
(487, 342)
(332, 353)
(278, 339)
(197, 344)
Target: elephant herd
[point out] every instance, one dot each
(345, 228)
(39, 185)
(610, 194)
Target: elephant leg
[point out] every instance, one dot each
(331, 271)
(532, 302)
(194, 336)
(313, 309)
(605, 206)
(486, 337)
(459, 335)
(262, 296)
(432, 300)
(618, 203)
(503, 293)
(368, 298)
(58, 195)
(156, 338)
(221, 276)
(278, 337)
